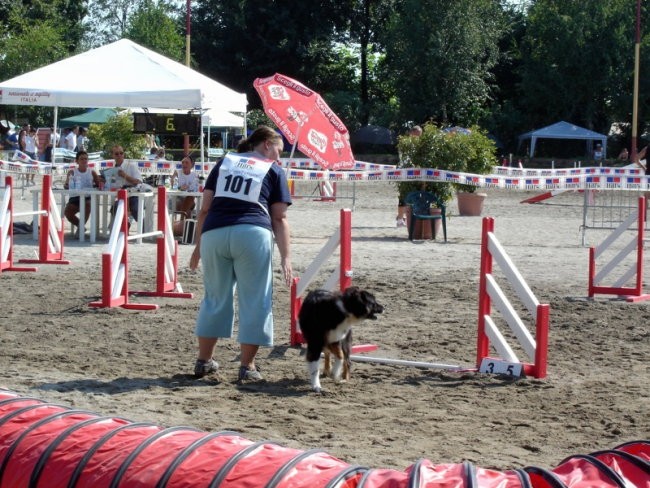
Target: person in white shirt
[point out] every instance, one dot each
(71, 139)
(31, 143)
(186, 180)
(82, 139)
(79, 178)
(128, 175)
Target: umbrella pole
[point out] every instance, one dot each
(293, 148)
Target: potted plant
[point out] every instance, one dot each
(432, 149)
(479, 157)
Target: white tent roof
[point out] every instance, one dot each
(120, 74)
(214, 118)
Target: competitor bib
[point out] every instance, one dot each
(241, 177)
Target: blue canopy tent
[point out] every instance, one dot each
(564, 130)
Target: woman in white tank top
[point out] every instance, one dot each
(79, 178)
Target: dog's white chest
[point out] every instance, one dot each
(338, 334)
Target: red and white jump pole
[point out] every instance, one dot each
(489, 291)
(51, 230)
(115, 279)
(634, 246)
(343, 239)
(167, 284)
(50, 236)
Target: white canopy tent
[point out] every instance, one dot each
(120, 74)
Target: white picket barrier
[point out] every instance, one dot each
(633, 247)
(536, 347)
(50, 231)
(115, 276)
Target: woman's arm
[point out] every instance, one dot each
(206, 202)
(280, 225)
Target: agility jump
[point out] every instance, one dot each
(489, 291)
(50, 233)
(343, 273)
(115, 280)
(634, 247)
(536, 348)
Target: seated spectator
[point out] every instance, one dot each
(128, 175)
(79, 178)
(598, 153)
(186, 180)
(623, 155)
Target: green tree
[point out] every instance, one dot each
(152, 25)
(109, 20)
(236, 41)
(36, 34)
(439, 57)
(369, 18)
(116, 130)
(576, 59)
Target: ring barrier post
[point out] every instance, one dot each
(115, 276)
(167, 284)
(343, 239)
(535, 348)
(327, 191)
(51, 230)
(632, 293)
(7, 231)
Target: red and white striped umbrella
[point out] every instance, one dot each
(306, 121)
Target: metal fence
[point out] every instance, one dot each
(607, 209)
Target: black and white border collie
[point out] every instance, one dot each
(326, 319)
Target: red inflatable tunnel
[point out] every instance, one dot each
(44, 445)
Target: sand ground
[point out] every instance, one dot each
(138, 364)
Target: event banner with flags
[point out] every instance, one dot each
(597, 178)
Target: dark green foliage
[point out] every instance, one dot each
(446, 150)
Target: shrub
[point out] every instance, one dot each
(116, 130)
(451, 149)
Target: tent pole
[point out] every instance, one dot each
(201, 142)
(54, 128)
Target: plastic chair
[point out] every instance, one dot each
(420, 203)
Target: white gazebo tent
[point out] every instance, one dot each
(120, 74)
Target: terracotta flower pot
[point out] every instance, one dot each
(470, 204)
